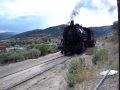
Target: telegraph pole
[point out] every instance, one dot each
(118, 5)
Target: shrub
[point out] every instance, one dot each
(15, 57)
(100, 56)
(31, 46)
(115, 25)
(32, 53)
(74, 69)
(43, 48)
(115, 64)
(78, 71)
(52, 49)
(19, 55)
(4, 57)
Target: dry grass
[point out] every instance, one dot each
(101, 56)
(114, 38)
(115, 64)
(78, 72)
(90, 51)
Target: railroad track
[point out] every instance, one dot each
(11, 80)
(21, 69)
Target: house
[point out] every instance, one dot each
(17, 47)
(2, 48)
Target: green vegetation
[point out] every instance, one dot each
(115, 25)
(15, 57)
(52, 49)
(78, 71)
(4, 57)
(32, 51)
(43, 48)
(114, 38)
(115, 64)
(9, 57)
(101, 56)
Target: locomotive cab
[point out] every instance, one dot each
(89, 37)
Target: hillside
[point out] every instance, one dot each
(51, 32)
(6, 35)
(103, 30)
(56, 32)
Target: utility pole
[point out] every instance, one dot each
(118, 5)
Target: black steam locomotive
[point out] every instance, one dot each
(76, 39)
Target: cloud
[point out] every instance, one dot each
(33, 7)
(110, 5)
(55, 11)
(21, 15)
(98, 13)
(100, 19)
(22, 23)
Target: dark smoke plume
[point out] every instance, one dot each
(75, 11)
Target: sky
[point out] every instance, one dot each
(24, 15)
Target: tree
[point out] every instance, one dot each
(115, 25)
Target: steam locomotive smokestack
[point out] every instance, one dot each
(72, 23)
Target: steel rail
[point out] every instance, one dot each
(31, 66)
(101, 81)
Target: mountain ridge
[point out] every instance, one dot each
(56, 32)
(6, 35)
